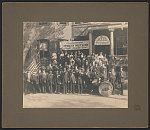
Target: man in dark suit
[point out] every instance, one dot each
(119, 80)
(122, 76)
(112, 78)
(32, 84)
(80, 82)
(66, 79)
(72, 82)
(76, 78)
(69, 78)
(62, 59)
(50, 82)
(44, 80)
(36, 82)
(62, 80)
(40, 81)
(58, 82)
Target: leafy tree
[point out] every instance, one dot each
(33, 31)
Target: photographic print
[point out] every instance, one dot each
(75, 64)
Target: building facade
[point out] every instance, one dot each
(110, 38)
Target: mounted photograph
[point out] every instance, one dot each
(75, 65)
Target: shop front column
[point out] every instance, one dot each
(90, 42)
(111, 42)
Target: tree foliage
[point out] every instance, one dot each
(33, 31)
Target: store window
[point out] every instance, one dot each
(121, 43)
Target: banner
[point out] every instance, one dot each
(74, 45)
(102, 40)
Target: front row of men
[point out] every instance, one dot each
(58, 82)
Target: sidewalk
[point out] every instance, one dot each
(74, 101)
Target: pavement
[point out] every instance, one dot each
(46, 100)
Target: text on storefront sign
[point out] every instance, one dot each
(74, 45)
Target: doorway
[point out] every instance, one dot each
(105, 49)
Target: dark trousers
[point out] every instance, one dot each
(72, 87)
(80, 88)
(113, 84)
(68, 87)
(65, 88)
(40, 87)
(44, 87)
(50, 87)
(33, 86)
(57, 88)
(121, 89)
(37, 88)
(28, 87)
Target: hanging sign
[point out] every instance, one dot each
(74, 45)
(102, 40)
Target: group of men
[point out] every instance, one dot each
(68, 73)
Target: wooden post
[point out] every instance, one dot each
(90, 43)
(111, 42)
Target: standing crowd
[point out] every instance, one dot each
(71, 73)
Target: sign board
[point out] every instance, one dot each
(74, 45)
(102, 40)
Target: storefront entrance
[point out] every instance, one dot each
(105, 49)
(102, 44)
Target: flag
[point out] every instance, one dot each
(34, 67)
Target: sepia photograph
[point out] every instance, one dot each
(75, 64)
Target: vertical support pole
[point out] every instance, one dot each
(111, 42)
(71, 31)
(90, 42)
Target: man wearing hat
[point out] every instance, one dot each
(40, 81)
(79, 54)
(66, 79)
(80, 82)
(58, 82)
(32, 83)
(62, 80)
(36, 82)
(122, 76)
(79, 62)
(112, 78)
(50, 81)
(119, 80)
(29, 84)
(72, 82)
(44, 81)
(69, 78)
(76, 77)
(62, 59)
